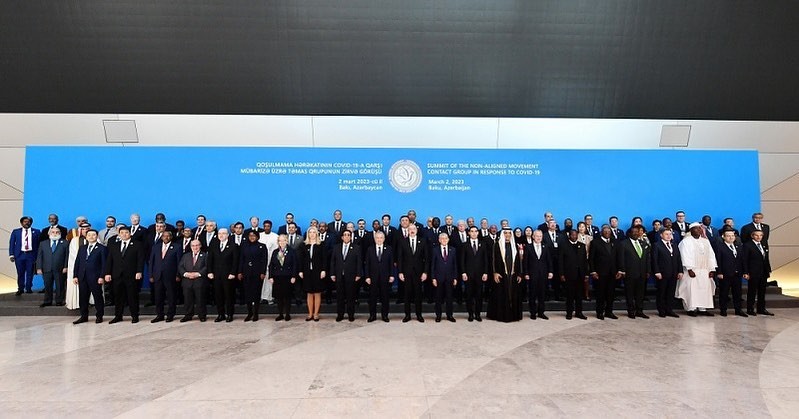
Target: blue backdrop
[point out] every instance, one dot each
(232, 183)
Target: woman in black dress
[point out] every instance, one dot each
(283, 268)
(252, 271)
(312, 271)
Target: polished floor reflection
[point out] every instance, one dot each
(687, 367)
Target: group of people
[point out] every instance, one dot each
(436, 262)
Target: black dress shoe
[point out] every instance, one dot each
(600, 316)
(134, 320)
(438, 319)
(611, 316)
(157, 319)
(543, 317)
(705, 313)
(169, 319)
(631, 315)
(662, 315)
(277, 319)
(28, 291)
(288, 317)
(339, 318)
(203, 319)
(81, 320)
(351, 318)
(692, 313)
(385, 319)
(185, 319)
(451, 319)
(219, 318)
(228, 319)
(371, 319)
(581, 316)
(41, 292)
(42, 305)
(568, 316)
(765, 313)
(723, 314)
(751, 312)
(740, 313)
(406, 319)
(641, 315)
(18, 293)
(471, 317)
(420, 319)
(98, 320)
(532, 316)
(673, 314)
(60, 304)
(115, 320)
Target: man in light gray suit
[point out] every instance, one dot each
(51, 264)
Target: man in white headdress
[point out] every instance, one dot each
(696, 288)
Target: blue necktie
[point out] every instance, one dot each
(53, 246)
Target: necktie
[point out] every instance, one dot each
(474, 246)
(757, 226)
(163, 251)
(385, 229)
(734, 253)
(221, 247)
(157, 237)
(668, 246)
(345, 250)
(760, 247)
(379, 253)
(413, 246)
(185, 243)
(133, 230)
(105, 236)
(124, 248)
(89, 252)
(338, 226)
(463, 237)
(291, 242)
(194, 259)
(538, 250)
(52, 246)
(444, 251)
(404, 232)
(26, 240)
(638, 248)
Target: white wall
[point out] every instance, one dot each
(776, 142)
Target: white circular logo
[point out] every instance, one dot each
(405, 176)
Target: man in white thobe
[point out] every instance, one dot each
(696, 288)
(270, 240)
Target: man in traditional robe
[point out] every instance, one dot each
(505, 303)
(696, 288)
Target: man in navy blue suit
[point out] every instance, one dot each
(728, 273)
(667, 267)
(89, 269)
(379, 275)
(22, 249)
(51, 264)
(444, 272)
(164, 259)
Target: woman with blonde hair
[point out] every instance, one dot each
(313, 272)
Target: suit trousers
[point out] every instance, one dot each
(379, 292)
(126, 290)
(444, 293)
(165, 289)
(605, 292)
(474, 294)
(665, 294)
(194, 293)
(413, 293)
(634, 289)
(345, 295)
(574, 294)
(537, 293)
(88, 287)
(756, 288)
(725, 285)
(59, 280)
(24, 264)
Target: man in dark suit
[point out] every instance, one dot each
(728, 273)
(602, 265)
(159, 218)
(412, 219)
(616, 232)
(379, 273)
(289, 220)
(337, 226)
(444, 274)
(294, 238)
(389, 230)
(255, 225)
(573, 269)
(196, 231)
(23, 247)
(537, 271)
(89, 269)
(474, 268)
(654, 234)
(164, 258)
(361, 237)
(544, 227)
(137, 231)
(680, 225)
(123, 268)
(633, 264)
(207, 236)
(756, 270)
(223, 260)
(345, 270)
(757, 224)
(51, 264)
(590, 228)
(193, 269)
(413, 265)
(553, 239)
(667, 267)
(52, 221)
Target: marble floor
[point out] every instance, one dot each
(687, 367)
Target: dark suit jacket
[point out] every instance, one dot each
(223, 262)
(362, 242)
(412, 264)
(665, 263)
(284, 230)
(246, 232)
(728, 263)
(331, 227)
(320, 258)
(139, 236)
(619, 234)
(753, 262)
(444, 269)
(602, 257)
(254, 259)
(455, 239)
(627, 259)
(46, 230)
(188, 265)
(747, 230)
(572, 260)
(15, 241)
(290, 267)
(347, 268)
(379, 270)
(166, 267)
(534, 266)
(124, 267)
(474, 264)
(92, 268)
(204, 242)
(49, 261)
